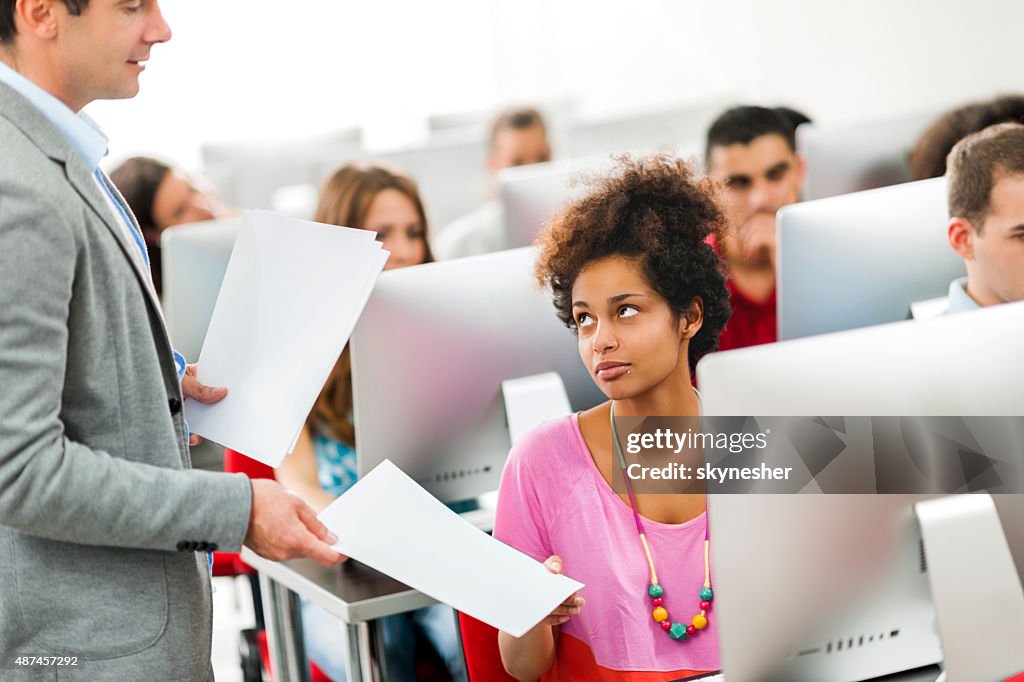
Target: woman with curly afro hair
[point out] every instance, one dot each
(633, 277)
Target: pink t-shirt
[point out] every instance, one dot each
(553, 500)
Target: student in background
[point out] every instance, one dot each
(985, 190)
(323, 464)
(161, 196)
(518, 137)
(928, 157)
(635, 280)
(751, 153)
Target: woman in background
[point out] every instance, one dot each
(323, 464)
(634, 278)
(160, 196)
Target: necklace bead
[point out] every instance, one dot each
(655, 590)
(677, 631)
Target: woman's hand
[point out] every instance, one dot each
(570, 607)
(530, 656)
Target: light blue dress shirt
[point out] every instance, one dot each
(89, 142)
(959, 300)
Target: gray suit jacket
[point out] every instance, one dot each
(100, 513)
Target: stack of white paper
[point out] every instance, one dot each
(390, 523)
(291, 296)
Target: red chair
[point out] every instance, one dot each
(480, 645)
(254, 651)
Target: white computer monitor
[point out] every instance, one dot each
(837, 587)
(854, 157)
(450, 171)
(678, 129)
(194, 258)
(429, 354)
(533, 194)
(862, 259)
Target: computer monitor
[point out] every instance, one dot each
(532, 194)
(194, 258)
(429, 354)
(855, 157)
(837, 587)
(862, 259)
(450, 171)
(248, 173)
(679, 128)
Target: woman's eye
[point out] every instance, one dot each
(584, 320)
(627, 311)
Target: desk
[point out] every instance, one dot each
(355, 593)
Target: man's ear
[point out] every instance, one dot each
(36, 17)
(961, 234)
(801, 170)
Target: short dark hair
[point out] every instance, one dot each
(518, 118)
(795, 117)
(928, 156)
(7, 28)
(976, 164)
(744, 124)
(656, 211)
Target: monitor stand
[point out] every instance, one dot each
(977, 593)
(531, 400)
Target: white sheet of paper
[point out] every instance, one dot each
(291, 296)
(390, 523)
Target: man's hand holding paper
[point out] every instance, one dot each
(284, 527)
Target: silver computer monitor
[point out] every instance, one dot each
(429, 354)
(247, 174)
(833, 587)
(450, 171)
(862, 259)
(532, 194)
(853, 157)
(194, 258)
(676, 128)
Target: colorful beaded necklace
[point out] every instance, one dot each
(676, 631)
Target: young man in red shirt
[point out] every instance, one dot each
(751, 153)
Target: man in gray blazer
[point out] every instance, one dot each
(104, 526)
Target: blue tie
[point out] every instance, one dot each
(124, 216)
